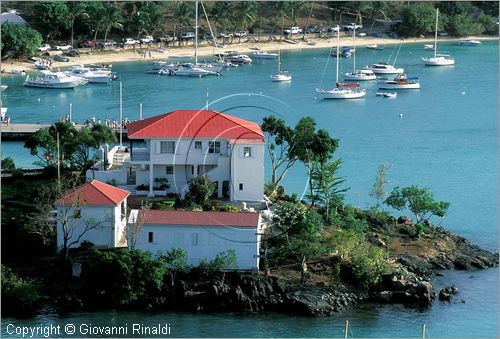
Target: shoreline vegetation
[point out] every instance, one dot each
(119, 55)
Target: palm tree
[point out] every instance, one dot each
(112, 18)
(379, 8)
(245, 13)
(293, 11)
(183, 12)
(76, 10)
(220, 13)
(282, 13)
(148, 18)
(359, 7)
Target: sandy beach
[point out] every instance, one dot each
(126, 55)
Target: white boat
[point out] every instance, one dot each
(385, 68)
(429, 47)
(47, 79)
(470, 42)
(3, 87)
(401, 82)
(375, 46)
(361, 74)
(390, 95)
(264, 55)
(341, 91)
(192, 70)
(91, 76)
(238, 58)
(438, 59)
(281, 75)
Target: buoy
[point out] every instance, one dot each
(463, 93)
(401, 115)
(38, 99)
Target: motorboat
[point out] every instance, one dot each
(345, 52)
(264, 55)
(238, 58)
(3, 87)
(470, 42)
(429, 47)
(390, 95)
(438, 59)
(47, 79)
(358, 75)
(192, 70)
(375, 47)
(341, 91)
(401, 81)
(92, 75)
(385, 68)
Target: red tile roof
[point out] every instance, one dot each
(94, 193)
(193, 218)
(195, 124)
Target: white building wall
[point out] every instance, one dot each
(247, 171)
(120, 215)
(185, 152)
(102, 235)
(203, 242)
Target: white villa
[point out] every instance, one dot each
(98, 207)
(203, 234)
(167, 150)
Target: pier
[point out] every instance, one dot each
(20, 132)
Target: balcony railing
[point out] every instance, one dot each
(140, 154)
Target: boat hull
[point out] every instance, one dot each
(388, 71)
(399, 86)
(438, 62)
(337, 93)
(279, 77)
(64, 85)
(359, 77)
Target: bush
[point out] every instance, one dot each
(224, 260)
(19, 41)
(8, 164)
(20, 297)
(369, 265)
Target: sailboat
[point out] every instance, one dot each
(438, 59)
(341, 91)
(282, 75)
(358, 75)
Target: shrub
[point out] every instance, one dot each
(8, 164)
(20, 297)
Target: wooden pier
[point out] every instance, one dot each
(18, 132)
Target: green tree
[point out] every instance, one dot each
(111, 18)
(8, 164)
(148, 18)
(175, 260)
(19, 41)
(417, 19)
(327, 188)
(96, 11)
(378, 190)
(359, 8)
(220, 12)
(51, 18)
(76, 10)
(200, 191)
(244, 14)
(289, 217)
(183, 14)
(420, 201)
(282, 10)
(463, 25)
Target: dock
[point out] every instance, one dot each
(19, 132)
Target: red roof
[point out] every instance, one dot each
(193, 218)
(94, 193)
(195, 124)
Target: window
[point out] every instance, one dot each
(167, 147)
(195, 238)
(214, 147)
(241, 187)
(150, 237)
(247, 152)
(170, 169)
(197, 145)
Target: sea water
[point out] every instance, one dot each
(443, 137)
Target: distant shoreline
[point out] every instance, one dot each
(130, 55)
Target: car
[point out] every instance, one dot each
(313, 29)
(63, 47)
(146, 40)
(164, 38)
(44, 48)
(361, 34)
(224, 35)
(130, 41)
(292, 30)
(187, 35)
(352, 26)
(87, 44)
(240, 34)
(109, 43)
(333, 29)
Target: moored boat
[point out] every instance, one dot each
(438, 59)
(401, 81)
(385, 68)
(375, 47)
(470, 42)
(264, 55)
(59, 80)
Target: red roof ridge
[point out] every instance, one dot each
(94, 192)
(202, 218)
(242, 122)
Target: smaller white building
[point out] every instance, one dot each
(203, 234)
(94, 212)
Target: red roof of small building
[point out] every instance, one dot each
(94, 193)
(195, 124)
(193, 218)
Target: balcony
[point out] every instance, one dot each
(140, 154)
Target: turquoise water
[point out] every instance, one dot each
(447, 140)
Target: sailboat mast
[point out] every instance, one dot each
(338, 56)
(354, 49)
(436, 33)
(196, 34)
(279, 61)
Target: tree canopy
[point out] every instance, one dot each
(19, 41)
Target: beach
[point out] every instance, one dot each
(114, 55)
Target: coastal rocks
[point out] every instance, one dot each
(447, 293)
(406, 288)
(415, 264)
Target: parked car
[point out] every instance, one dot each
(63, 47)
(240, 34)
(130, 41)
(313, 29)
(87, 44)
(224, 35)
(109, 43)
(361, 34)
(292, 30)
(146, 40)
(44, 48)
(352, 26)
(187, 35)
(164, 38)
(333, 29)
